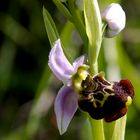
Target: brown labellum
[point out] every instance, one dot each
(105, 100)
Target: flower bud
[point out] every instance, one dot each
(115, 18)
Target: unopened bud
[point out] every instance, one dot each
(115, 18)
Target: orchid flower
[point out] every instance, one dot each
(93, 94)
(66, 102)
(115, 18)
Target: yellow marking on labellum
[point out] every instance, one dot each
(129, 101)
(110, 87)
(102, 75)
(94, 104)
(93, 86)
(105, 97)
(90, 97)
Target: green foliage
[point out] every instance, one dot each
(50, 27)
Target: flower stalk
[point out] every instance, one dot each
(94, 33)
(97, 129)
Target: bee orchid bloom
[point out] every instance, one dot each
(66, 102)
(115, 18)
(106, 100)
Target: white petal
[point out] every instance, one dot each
(78, 62)
(59, 64)
(66, 104)
(115, 18)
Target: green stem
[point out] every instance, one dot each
(93, 59)
(97, 129)
(96, 125)
(94, 33)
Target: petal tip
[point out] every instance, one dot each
(59, 64)
(66, 104)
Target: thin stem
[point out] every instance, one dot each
(93, 60)
(97, 129)
(96, 125)
(94, 33)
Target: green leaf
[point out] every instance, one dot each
(50, 27)
(62, 8)
(92, 20)
(109, 130)
(115, 130)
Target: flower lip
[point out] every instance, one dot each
(128, 87)
(105, 100)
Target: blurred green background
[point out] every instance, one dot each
(28, 89)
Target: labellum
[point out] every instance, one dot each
(103, 99)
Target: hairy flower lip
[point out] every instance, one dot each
(128, 85)
(105, 100)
